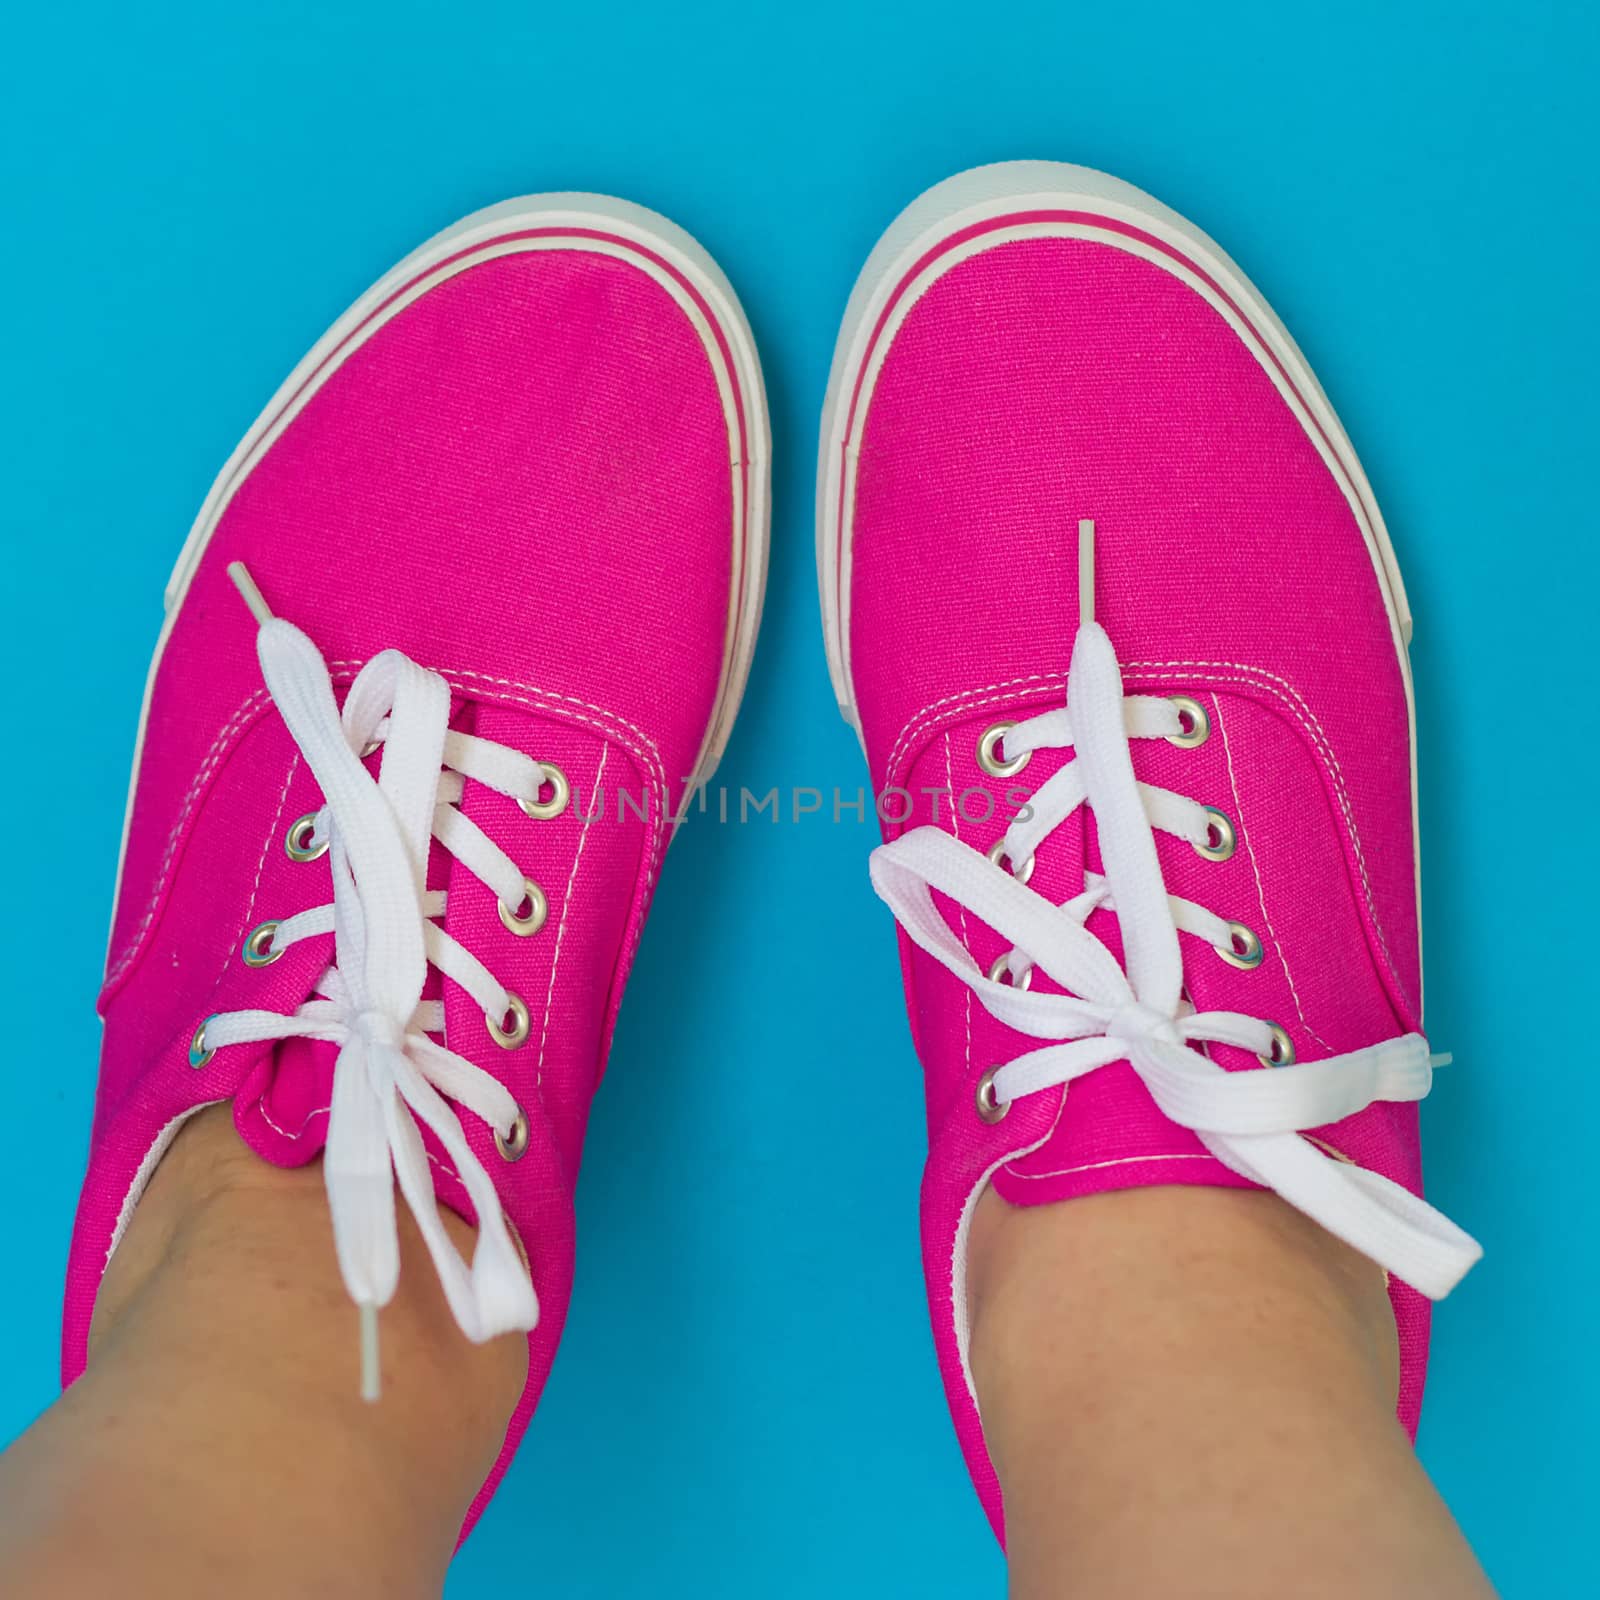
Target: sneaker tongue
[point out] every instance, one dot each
(293, 1104)
(282, 1108)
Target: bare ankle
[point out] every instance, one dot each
(206, 1164)
(229, 1244)
(1084, 1267)
(1148, 1362)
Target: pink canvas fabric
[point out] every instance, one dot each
(1043, 365)
(533, 460)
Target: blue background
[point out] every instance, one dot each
(746, 1400)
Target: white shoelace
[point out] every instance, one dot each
(1250, 1121)
(389, 1072)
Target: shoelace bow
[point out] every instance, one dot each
(1250, 1121)
(389, 1074)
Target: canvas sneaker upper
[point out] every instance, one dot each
(465, 614)
(1110, 602)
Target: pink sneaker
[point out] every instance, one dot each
(512, 512)
(1158, 794)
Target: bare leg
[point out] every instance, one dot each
(1191, 1392)
(217, 1442)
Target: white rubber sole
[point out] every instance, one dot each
(1011, 187)
(738, 378)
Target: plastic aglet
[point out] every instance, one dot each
(1086, 570)
(370, 1379)
(1442, 1058)
(248, 587)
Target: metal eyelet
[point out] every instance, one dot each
(259, 950)
(513, 1146)
(1222, 827)
(989, 757)
(301, 842)
(997, 854)
(990, 1109)
(1282, 1048)
(199, 1052)
(1199, 723)
(999, 972)
(1243, 949)
(509, 1038)
(543, 810)
(533, 920)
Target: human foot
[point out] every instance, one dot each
(1081, 497)
(209, 1395)
(511, 512)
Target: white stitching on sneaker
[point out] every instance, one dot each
(561, 926)
(267, 1117)
(1115, 1161)
(213, 759)
(322, 1111)
(955, 824)
(1255, 870)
